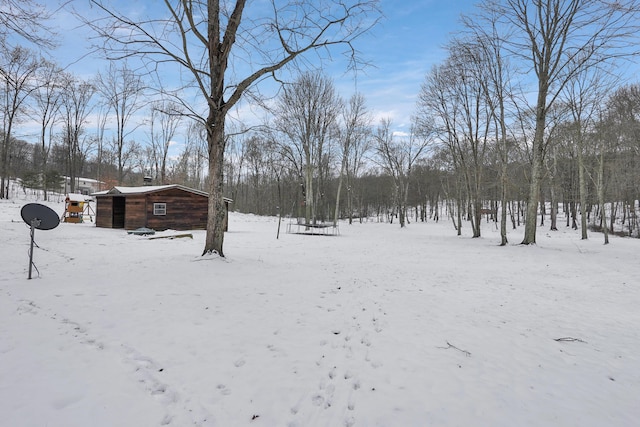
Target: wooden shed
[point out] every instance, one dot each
(159, 207)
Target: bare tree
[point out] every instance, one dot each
(202, 37)
(551, 166)
(18, 69)
(47, 97)
(196, 152)
(100, 143)
(558, 38)
(455, 94)
(355, 138)
(256, 155)
(620, 156)
(356, 167)
(75, 107)
(397, 154)
(583, 95)
(307, 115)
(122, 90)
(167, 116)
(436, 101)
(496, 79)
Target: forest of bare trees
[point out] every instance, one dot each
(526, 122)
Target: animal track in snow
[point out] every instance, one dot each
(365, 341)
(223, 389)
(317, 400)
(145, 370)
(347, 343)
(332, 372)
(27, 307)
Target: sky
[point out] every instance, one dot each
(404, 47)
(401, 50)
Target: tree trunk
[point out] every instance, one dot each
(536, 168)
(503, 199)
(582, 189)
(308, 193)
(403, 200)
(459, 218)
(216, 208)
(554, 202)
(337, 210)
(5, 161)
(350, 202)
(554, 211)
(603, 222)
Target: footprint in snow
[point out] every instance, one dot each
(223, 389)
(317, 400)
(332, 373)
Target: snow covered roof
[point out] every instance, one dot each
(146, 189)
(118, 190)
(143, 189)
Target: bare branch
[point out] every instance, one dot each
(569, 339)
(449, 345)
(26, 19)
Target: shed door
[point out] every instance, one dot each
(118, 212)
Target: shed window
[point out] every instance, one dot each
(159, 208)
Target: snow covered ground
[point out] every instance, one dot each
(379, 326)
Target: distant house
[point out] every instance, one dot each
(83, 185)
(159, 207)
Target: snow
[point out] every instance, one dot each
(380, 326)
(137, 190)
(149, 189)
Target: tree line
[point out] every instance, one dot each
(54, 108)
(367, 170)
(528, 116)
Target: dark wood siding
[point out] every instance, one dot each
(104, 212)
(185, 211)
(135, 213)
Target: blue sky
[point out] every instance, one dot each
(402, 49)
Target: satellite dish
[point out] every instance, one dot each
(41, 217)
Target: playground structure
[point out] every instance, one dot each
(76, 208)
